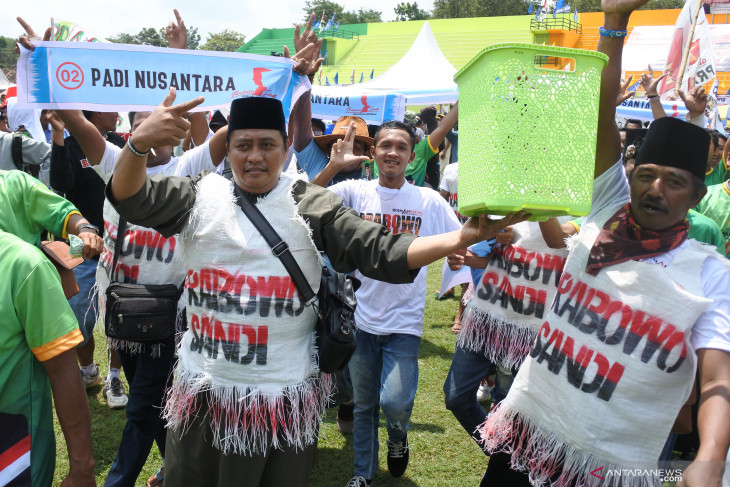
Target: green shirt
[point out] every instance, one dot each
(416, 169)
(717, 175)
(716, 206)
(36, 325)
(27, 207)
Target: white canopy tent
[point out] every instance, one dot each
(423, 75)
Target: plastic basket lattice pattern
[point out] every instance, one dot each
(527, 135)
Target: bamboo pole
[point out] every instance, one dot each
(685, 54)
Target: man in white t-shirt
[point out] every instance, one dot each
(639, 309)
(389, 317)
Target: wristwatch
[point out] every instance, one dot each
(89, 225)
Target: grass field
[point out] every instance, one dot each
(442, 454)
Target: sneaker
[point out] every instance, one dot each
(92, 380)
(358, 481)
(398, 456)
(116, 397)
(345, 418)
(484, 393)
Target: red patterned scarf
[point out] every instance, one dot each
(622, 239)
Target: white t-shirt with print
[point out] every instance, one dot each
(384, 308)
(712, 329)
(147, 257)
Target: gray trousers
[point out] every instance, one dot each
(192, 461)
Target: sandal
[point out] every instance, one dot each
(157, 479)
(456, 327)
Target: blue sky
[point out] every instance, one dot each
(110, 18)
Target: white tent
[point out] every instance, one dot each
(4, 83)
(423, 74)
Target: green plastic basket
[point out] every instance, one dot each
(527, 134)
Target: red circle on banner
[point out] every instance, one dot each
(70, 76)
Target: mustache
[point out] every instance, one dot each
(656, 203)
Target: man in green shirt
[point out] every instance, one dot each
(28, 207)
(37, 341)
(716, 206)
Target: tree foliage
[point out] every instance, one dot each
(362, 16)
(226, 40)
(452, 9)
(148, 36)
(595, 5)
(410, 11)
(8, 56)
(317, 7)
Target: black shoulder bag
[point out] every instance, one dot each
(17, 149)
(334, 305)
(144, 313)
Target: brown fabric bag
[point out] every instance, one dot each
(58, 253)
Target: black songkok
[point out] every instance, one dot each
(675, 143)
(256, 113)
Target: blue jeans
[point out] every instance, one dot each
(85, 313)
(384, 373)
(148, 378)
(460, 389)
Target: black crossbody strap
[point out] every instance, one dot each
(17, 148)
(278, 246)
(118, 247)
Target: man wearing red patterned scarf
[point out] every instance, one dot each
(639, 309)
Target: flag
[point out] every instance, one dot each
(337, 74)
(315, 24)
(565, 9)
(319, 78)
(575, 15)
(321, 22)
(330, 23)
(529, 9)
(362, 75)
(337, 26)
(701, 59)
(372, 73)
(352, 75)
(559, 5)
(326, 81)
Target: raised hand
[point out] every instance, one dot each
(695, 100)
(55, 121)
(341, 155)
(27, 41)
(307, 60)
(308, 37)
(623, 95)
(176, 33)
(166, 125)
(650, 83)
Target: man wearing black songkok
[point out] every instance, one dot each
(639, 308)
(248, 397)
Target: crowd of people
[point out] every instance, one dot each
(597, 341)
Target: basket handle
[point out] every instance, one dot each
(529, 55)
